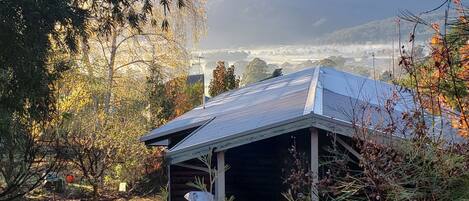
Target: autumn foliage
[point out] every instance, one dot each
(441, 81)
(224, 79)
(432, 163)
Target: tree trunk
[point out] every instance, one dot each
(90, 69)
(110, 78)
(86, 58)
(8, 176)
(95, 191)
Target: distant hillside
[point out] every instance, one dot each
(380, 31)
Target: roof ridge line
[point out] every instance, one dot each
(310, 99)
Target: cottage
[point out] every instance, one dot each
(251, 129)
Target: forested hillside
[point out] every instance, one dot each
(379, 31)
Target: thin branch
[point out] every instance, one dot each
(133, 62)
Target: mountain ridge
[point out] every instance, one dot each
(378, 31)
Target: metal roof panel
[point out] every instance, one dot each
(255, 106)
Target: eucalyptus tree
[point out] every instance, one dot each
(32, 34)
(102, 133)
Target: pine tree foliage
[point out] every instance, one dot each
(224, 79)
(29, 30)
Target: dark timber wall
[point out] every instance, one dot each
(256, 169)
(179, 178)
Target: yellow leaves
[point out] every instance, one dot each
(435, 40)
(462, 125)
(440, 81)
(36, 130)
(175, 89)
(77, 99)
(464, 52)
(217, 84)
(439, 54)
(464, 57)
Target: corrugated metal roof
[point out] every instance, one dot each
(364, 89)
(321, 92)
(347, 96)
(281, 108)
(234, 100)
(254, 106)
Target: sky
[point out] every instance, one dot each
(254, 23)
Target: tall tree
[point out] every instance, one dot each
(223, 79)
(256, 70)
(232, 81)
(160, 106)
(29, 30)
(37, 31)
(170, 99)
(103, 134)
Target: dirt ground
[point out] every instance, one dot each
(83, 193)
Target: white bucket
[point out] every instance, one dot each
(198, 196)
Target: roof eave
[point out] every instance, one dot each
(165, 135)
(310, 120)
(225, 143)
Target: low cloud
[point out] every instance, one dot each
(319, 22)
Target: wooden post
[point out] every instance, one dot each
(314, 163)
(169, 182)
(220, 176)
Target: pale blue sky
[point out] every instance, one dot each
(249, 23)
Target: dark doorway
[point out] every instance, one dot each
(256, 168)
